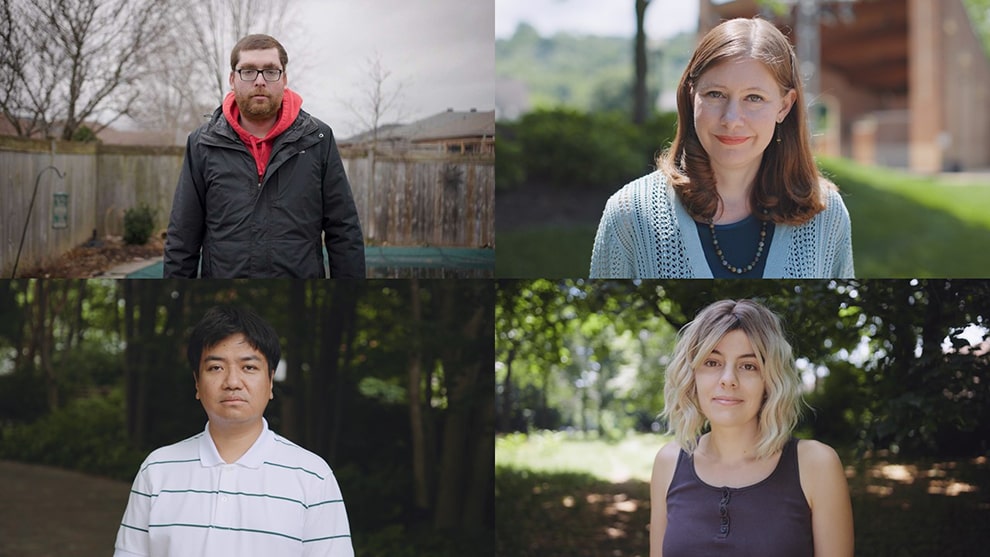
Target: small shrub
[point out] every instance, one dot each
(510, 165)
(139, 222)
(84, 134)
(88, 435)
(571, 149)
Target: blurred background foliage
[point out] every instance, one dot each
(899, 365)
(571, 150)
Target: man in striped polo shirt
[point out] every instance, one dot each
(237, 488)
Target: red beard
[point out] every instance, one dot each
(257, 109)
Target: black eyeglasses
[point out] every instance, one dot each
(252, 74)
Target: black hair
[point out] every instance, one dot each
(221, 322)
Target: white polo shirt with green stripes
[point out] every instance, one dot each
(277, 499)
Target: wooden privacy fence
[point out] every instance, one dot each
(100, 182)
(418, 199)
(424, 199)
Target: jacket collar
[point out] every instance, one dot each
(219, 131)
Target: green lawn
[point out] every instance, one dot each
(903, 226)
(908, 226)
(545, 252)
(560, 495)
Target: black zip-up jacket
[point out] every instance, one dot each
(270, 229)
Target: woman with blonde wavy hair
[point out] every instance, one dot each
(734, 481)
(738, 194)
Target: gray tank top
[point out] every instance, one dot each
(770, 518)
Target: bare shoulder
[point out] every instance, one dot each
(823, 479)
(817, 456)
(667, 455)
(664, 465)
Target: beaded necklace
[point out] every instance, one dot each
(759, 248)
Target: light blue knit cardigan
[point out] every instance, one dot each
(646, 232)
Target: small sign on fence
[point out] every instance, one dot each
(60, 210)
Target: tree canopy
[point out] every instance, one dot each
(893, 364)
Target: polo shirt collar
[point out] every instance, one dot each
(254, 457)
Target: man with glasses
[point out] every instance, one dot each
(262, 186)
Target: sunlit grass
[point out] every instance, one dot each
(556, 496)
(908, 226)
(552, 451)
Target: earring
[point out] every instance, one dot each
(778, 132)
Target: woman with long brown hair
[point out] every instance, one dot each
(738, 193)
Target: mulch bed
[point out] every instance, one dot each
(94, 258)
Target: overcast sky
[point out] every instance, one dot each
(664, 18)
(443, 51)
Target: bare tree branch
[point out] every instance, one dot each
(69, 61)
(379, 98)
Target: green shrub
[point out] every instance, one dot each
(86, 366)
(22, 396)
(84, 134)
(568, 149)
(88, 435)
(139, 222)
(510, 166)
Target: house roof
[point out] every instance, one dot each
(445, 125)
(108, 135)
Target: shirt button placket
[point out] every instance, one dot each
(226, 485)
(723, 513)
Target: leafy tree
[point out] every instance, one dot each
(979, 15)
(530, 326)
(886, 363)
(578, 65)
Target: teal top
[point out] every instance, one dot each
(739, 242)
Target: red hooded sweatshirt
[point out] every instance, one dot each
(261, 148)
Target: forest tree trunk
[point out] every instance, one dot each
(479, 497)
(339, 316)
(420, 486)
(45, 325)
(640, 108)
(462, 375)
(292, 392)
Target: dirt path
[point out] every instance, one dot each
(50, 512)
